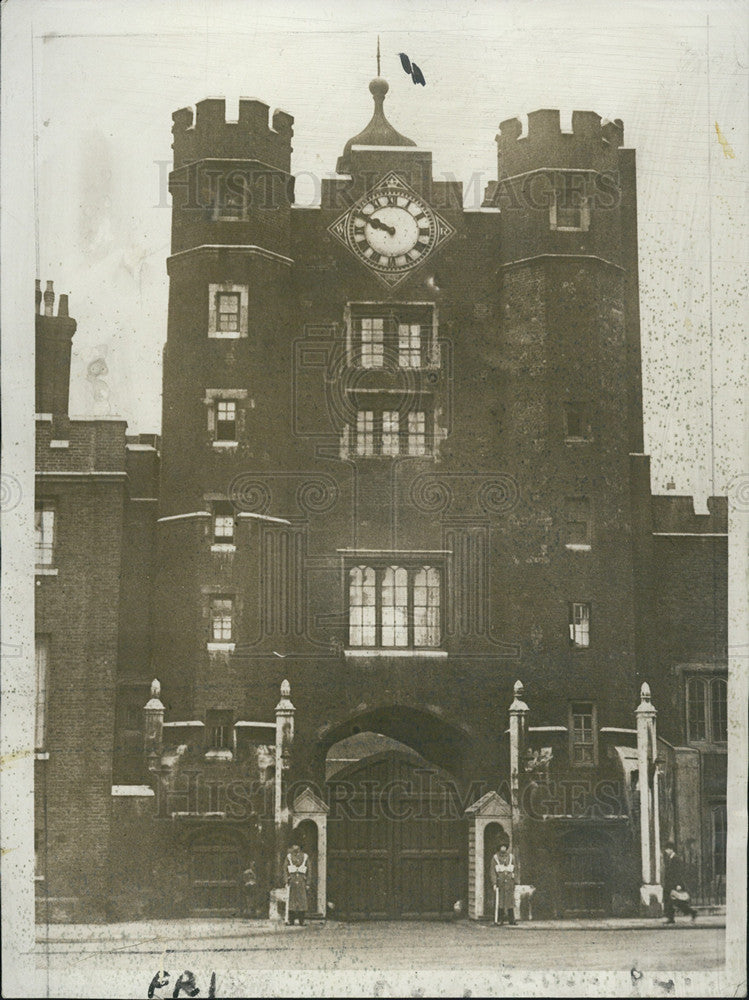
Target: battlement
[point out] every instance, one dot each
(592, 142)
(255, 135)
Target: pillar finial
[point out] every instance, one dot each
(155, 688)
(646, 706)
(285, 704)
(518, 704)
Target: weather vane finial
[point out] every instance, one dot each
(378, 55)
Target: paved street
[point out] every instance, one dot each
(568, 945)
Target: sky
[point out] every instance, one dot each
(106, 78)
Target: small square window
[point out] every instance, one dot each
(223, 522)
(228, 309)
(579, 625)
(221, 619)
(228, 197)
(570, 207)
(227, 312)
(226, 420)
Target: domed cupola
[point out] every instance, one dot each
(379, 131)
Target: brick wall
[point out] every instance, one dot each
(78, 612)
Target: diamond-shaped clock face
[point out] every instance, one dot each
(391, 229)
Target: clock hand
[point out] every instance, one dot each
(378, 224)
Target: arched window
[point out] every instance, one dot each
(427, 607)
(719, 700)
(362, 610)
(696, 709)
(395, 606)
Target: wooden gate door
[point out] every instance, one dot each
(215, 871)
(396, 841)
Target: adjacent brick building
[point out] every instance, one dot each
(79, 535)
(401, 467)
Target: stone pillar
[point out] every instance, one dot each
(651, 892)
(518, 723)
(284, 738)
(153, 728)
(518, 726)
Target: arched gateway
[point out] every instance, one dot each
(397, 841)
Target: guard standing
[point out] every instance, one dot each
(296, 878)
(503, 878)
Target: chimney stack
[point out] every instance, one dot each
(54, 341)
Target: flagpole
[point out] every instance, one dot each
(378, 55)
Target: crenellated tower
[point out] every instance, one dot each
(570, 395)
(226, 361)
(228, 286)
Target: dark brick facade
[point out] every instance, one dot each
(533, 496)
